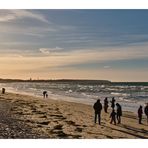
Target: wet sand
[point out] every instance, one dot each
(23, 116)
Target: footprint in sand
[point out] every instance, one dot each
(30, 121)
(43, 116)
(38, 112)
(42, 106)
(110, 137)
(59, 127)
(78, 129)
(71, 123)
(44, 123)
(57, 116)
(57, 130)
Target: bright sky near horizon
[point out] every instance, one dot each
(77, 44)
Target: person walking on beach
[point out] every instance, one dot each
(3, 90)
(98, 107)
(146, 111)
(45, 95)
(140, 112)
(105, 105)
(119, 112)
(113, 117)
(113, 103)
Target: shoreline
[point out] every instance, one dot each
(78, 100)
(69, 94)
(58, 119)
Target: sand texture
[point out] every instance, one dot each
(23, 116)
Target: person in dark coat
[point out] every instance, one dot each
(140, 112)
(98, 107)
(45, 95)
(105, 105)
(113, 103)
(119, 112)
(113, 117)
(146, 111)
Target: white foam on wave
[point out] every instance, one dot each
(120, 94)
(85, 94)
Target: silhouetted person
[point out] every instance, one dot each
(44, 94)
(105, 105)
(119, 112)
(140, 112)
(113, 103)
(98, 107)
(146, 111)
(3, 90)
(113, 117)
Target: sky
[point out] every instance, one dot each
(74, 44)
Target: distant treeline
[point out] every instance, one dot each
(78, 81)
(130, 83)
(73, 81)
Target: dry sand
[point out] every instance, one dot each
(23, 116)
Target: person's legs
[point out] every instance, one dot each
(99, 118)
(105, 109)
(111, 120)
(115, 121)
(95, 117)
(44, 95)
(140, 118)
(119, 119)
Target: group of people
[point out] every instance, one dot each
(140, 113)
(45, 94)
(114, 114)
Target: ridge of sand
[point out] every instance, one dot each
(23, 116)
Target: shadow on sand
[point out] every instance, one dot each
(130, 130)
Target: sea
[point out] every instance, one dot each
(129, 95)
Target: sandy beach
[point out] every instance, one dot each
(23, 116)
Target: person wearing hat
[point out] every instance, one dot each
(97, 108)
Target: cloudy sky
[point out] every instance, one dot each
(77, 44)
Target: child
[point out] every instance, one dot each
(113, 117)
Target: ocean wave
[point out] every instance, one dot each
(128, 95)
(120, 94)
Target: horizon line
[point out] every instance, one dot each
(72, 79)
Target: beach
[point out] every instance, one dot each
(28, 117)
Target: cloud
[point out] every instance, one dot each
(10, 15)
(54, 66)
(48, 51)
(106, 67)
